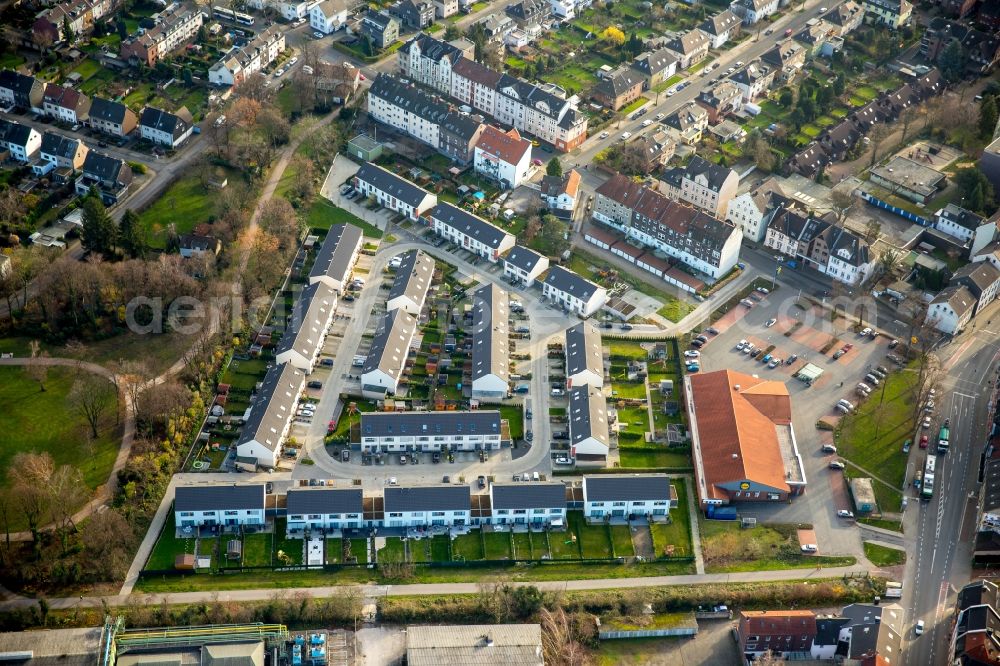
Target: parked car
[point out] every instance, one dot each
(711, 330)
(893, 344)
(315, 384)
(906, 445)
(697, 343)
(774, 363)
(828, 448)
(605, 135)
(792, 359)
(836, 464)
(923, 441)
(482, 481)
(691, 353)
(844, 513)
(770, 322)
(809, 548)
(562, 460)
(318, 35)
(327, 362)
(865, 332)
(926, 423)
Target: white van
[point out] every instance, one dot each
(846, 404)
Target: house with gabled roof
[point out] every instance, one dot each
(413, 14)
(779, 632)
(329, 15)
(688, 123)
(411, 283)
(21, 91)
(524, 265)
(743, 443)
(471, 232)
(690, 48)
(967, 227)
(22, 141)
(808, 161)
(393, 192)
(219, 505)
(952, 309)
(560, 194)
(323, 509)
(619, 88)
(271, 411)
(502, 157)
(655, 67)
(704, 184)
(58, 151)
(721, 27)
(112, 118)
(589, 428)
(425, 506)
(110, 176)
(752, 11)
(65, 104)
(164, 128)
(584, 356)
(621, 496)
(838, 140)
(490, 344)
(381, 28)
(306, 329)
(337, 256)
(383, 367)
(786, 58)
(845, 17)
(538, 503)
(573, 292)
(751, 211)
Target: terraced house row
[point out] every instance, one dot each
(542, 111)
(324, 509)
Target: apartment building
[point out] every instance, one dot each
(271, 412)
(952, 309)
(323, 510)
(490, 343)
(690, 48)
(241, 62)
(416, 506)
(628, 495)
(78, 15)
(381, 28)
(392, 432)
(572, 292)
(825, 247)
(655, 67)
(721, 27)
(174, 28)
(753, 80)
(780, 632)
(619, 88)
(306, 329)
(700, 241)
(502, 157)
(560, 193)
(751, 211)
(429, 61)
(890, 13)
(524, 265)
(337, 256)
(222, 505)
(471, 232)
(703, 184)
(540, 112)
(393, 192)
(538, 503)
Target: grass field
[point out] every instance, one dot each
(167, 547)
(38, 421)
(727, 548)
(292, 548)
(872, 437)
(186, 203)
(257, 550)
(522, 546)
(621, 537)
(894, 525)
(642, 457)
(392, 551)
(883, 556)
(323, 215)
(678, 532)
(467, 547)
(497, 546)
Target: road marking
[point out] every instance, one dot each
(964, 395)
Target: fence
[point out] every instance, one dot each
(905, 214)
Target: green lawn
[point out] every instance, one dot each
(635, 419)
(323, 215)
(522, 546)
(392, 551)
(626, 389)
(675, 310)
(894, 525)
(728, 548)
(468, 547)
(627, 350)
(167, 547)
(872, 437)
(883, 556)
(642, 457)
(359, 550)
(430, 550)
(515, 420)
(32, 420)
(292, 548)
(87, 68)
(186, 203)
(678, 532)
(497, 546)
(565, 545)
(245, 374)
(621, 536)
(633, 105)
(257, 550)
(593, 539)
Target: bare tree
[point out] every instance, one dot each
(29, 476)
(873, 229)
(37, 371)
(769, 658)
(91, 397)
(133, 377)
(888, 261)
(876, 135)
(841, 204)
(107, 539)
(560, 642)
(67, 491)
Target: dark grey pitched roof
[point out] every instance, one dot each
(539, 495)
(828, 630)
(14, 132)
(583, 349)
(626, 487)
(163, 121)
(619, 82)
(427, 498)
(395, 424)
(588, 415)
(391, 343)
(469, 224)
(219, 497)
(310, 315)
(720, 23)
(409, 97)
(274, 406)
(391, 184)
(17, 82)
(698, 166)
(978, 277)
(523, 258)
(106, 168)
(654, 62)
(431, 48)
(59, 145)
(962, 217)
(379, 20)
(490, 338)
(529, 9)
(413, 277)
(197, 242)
(531, 95)
(462, 125)
(567, 281)
(324, 500)
(336, 255)
(847, 247)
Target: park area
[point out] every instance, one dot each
(39, 421)
(188, 202)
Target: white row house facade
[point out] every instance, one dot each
(524, 265)
(536, 504)
(628, 495)
(438, 505)
(319, 509)
(572, 292)
(305, 333)
(229, 505)
(271, 412)
(393, 192)
(241, 62)
(589, 429)
(471, 232)
(401, 432)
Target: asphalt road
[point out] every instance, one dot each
(746, 51)
(945, 525)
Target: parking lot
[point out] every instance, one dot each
(808, 336)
